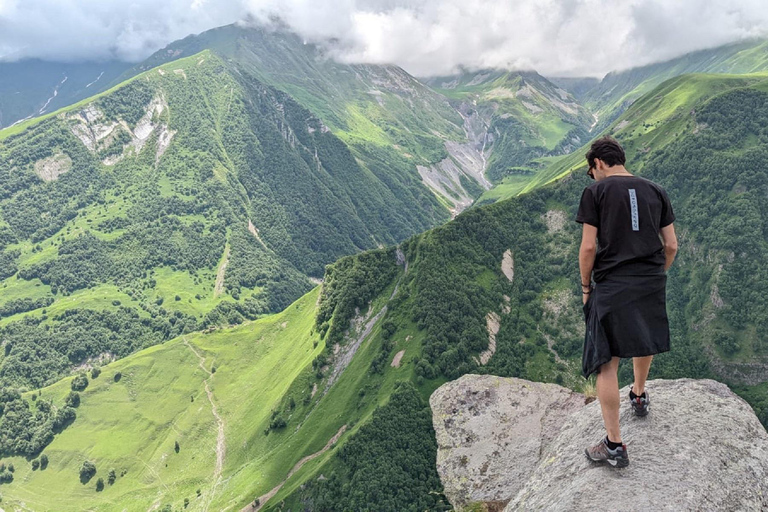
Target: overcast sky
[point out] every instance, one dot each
(427, 37)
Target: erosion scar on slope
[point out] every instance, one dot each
(265, 497)
(220, 440)
(220, 275)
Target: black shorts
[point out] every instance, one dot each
(626, 316)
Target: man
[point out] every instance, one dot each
(625, 309)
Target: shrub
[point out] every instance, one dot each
(87, 471)
(726, 342)
(99, 485)
(118, 376)
(111, 476)
(43, 462)
(95, 372)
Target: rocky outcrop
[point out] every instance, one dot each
(517, 445)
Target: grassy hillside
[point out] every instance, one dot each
(617, 90)
(273, 403)
(189, 196)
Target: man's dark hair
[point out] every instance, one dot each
(608, 150)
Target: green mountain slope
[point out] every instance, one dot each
(192, 195)
(525, 117)
(490, 292)
(33, 87)
(389, 119)
(617, 90)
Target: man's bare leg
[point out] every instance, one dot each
(608, 394)
(642, 366)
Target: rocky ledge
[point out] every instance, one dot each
(511, 444)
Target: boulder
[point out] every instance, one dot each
(490, 432)
(517, 445)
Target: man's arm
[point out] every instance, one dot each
(669, 239)
(587, 253)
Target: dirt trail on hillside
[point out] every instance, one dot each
(220, 439)
(265, 497)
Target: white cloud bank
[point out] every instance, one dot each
(428, 37)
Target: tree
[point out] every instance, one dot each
(176, 446)
(80, 382)
(35, 464)
(43, 462)
(118, 376)
(99, 485)
(95, 372)
(111, 476)
(73, 399)
(87, 471)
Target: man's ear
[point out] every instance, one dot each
(599, 165)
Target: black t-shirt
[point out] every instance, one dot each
(628, 212)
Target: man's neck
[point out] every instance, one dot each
(616, 169)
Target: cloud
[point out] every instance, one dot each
(427, 37)
(554, 37)
(104, 29)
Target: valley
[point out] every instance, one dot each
(263, 263)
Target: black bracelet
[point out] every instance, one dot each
(588, 284)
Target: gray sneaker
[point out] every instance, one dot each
(617, 458)
(640, 404)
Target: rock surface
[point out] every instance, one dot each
(521, 444)
(490, 431)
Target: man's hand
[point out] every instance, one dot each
(584, 298)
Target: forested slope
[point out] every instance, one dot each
(192, 195)
(458, 291)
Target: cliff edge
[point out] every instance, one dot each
(511, 444)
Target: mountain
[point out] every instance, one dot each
(608, 98)
(526, 118)
(324, 406)
(32, 87)
(387, 117)
(617, 90)
(189, 196)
